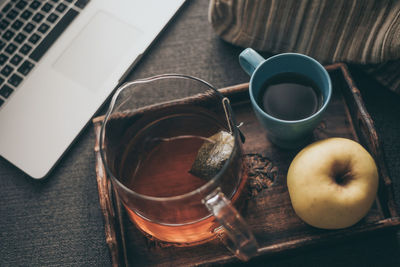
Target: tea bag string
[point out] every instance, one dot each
(225, 102)
(230, 119)
(165, 139)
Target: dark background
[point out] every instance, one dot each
(58, 222)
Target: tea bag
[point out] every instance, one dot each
(212, 155)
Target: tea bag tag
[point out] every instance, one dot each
(212, 155)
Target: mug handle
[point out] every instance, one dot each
(241, 241)
(249, 59)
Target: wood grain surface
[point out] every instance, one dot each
(268, 210)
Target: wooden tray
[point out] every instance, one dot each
(269, 212)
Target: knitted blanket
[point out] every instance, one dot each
(366, 32)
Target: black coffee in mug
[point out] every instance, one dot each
(290, 96)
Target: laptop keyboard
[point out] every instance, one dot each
(27, 31)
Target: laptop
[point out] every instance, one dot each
(59, 62)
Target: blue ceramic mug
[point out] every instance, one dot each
(285, 133)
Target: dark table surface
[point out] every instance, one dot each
(58, 222)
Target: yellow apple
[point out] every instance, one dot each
(332, 183)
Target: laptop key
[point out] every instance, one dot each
(26, 67)
(34, 38)
(20, 38)
(7, 70)
(25, 49)
(6, 91)
(2, 44)
(81, 3)
(4, 24)
(47, 7)
(38, 17)
(6, 8)
(12, 14)
(29, 27)
(10, 49)
(1, 81)
(3, 59)
(52, 17)
(26, 14)
(1, 102)
(61, 8)
(53, 34)
(8, 35)
(15, 60)
(43, 28)
(15, 80)
(35, 5)
(21, 4)
(17, 25)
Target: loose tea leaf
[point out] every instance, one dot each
(212, 155)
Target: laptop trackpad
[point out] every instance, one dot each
(97, 50)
